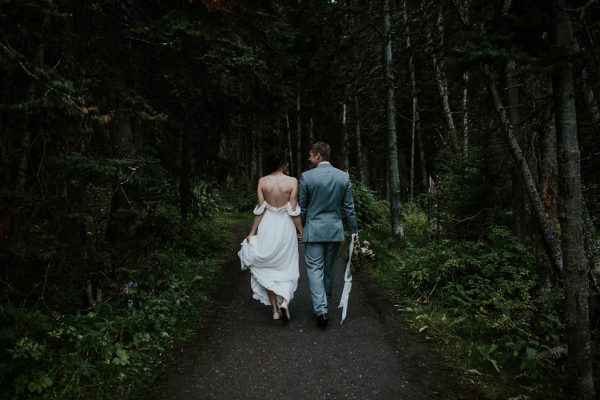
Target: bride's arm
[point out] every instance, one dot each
(257, 217)
(293, 204)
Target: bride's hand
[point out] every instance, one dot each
(249, 236)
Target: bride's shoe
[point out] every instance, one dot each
(276, 315)
(285, 310)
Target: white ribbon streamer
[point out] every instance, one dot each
(347, 281)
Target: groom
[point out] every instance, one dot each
(325, 195)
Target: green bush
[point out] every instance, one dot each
(113, 350)
(417, 229)
(109, 353)
(371, 211)
(484, 292)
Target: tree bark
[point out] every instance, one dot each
(345, 142)
(592, 246)
(392, 159)
(299, 136)
(311, 124)
(294, 172)
(548, 185)
(518, 198)
(259, 149)
(422, 161)
(121, 135)
(27, 128)
(254, 173)
(360, 157)
(185, 172)
(465, 110)
(415, 100)
(570, 213)
(438, 65)
(550, 241)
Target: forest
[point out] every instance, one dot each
(133, 133)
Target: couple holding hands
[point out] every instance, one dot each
(285, 215)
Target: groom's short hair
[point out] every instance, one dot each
(321, 148)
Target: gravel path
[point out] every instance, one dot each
(244, 354)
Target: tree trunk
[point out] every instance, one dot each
(438, 65)
(463, 11)
(254, 174)
(415, 103)
(548, 178)
(465, 110)
(518, 198)
(311, 124)
(259, 149)
(422, 161)
(185, 172)
(299, 136)
(121, 135)
(345, 142)
(570, 214)
(345, 145)
(392, 159)
(360, 157)
(27, 128)
(550, 240)
(24, 162)
(292, 171)
(592, 246)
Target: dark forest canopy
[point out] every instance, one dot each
(125, 123)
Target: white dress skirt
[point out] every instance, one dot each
(272, 255)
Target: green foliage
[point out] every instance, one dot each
(480, 293)
(371, 211)
(417, 229)
(113, 226)
(470, 197)
(112, 351)
(205, 199)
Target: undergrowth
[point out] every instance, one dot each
(477, 299)
(115, 350)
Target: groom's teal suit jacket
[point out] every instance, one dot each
(326, 199)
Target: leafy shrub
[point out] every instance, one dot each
(485, 291)
(242, 202)
(417, 229)
(110, 351)
(206, 199)
(469, 197)
(371, 211)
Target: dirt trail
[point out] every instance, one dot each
(243, 354)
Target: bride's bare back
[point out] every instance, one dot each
(278, 190)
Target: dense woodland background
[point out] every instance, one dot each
(130, 131)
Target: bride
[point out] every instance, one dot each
(273, 238)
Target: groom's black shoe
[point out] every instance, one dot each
(322, 321)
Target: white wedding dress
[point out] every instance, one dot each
(273, 262)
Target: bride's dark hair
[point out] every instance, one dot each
(275, 159)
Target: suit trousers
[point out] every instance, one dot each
(320, 260)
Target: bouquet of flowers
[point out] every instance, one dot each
(362, 252)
